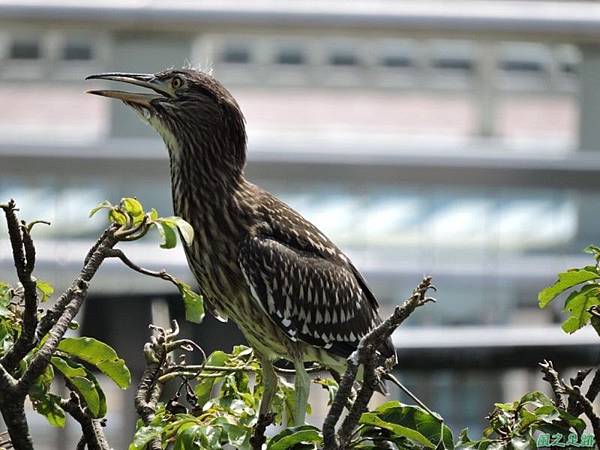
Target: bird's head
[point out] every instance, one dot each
(190, 109)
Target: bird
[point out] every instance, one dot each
(292, 292)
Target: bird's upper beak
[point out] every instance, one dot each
(138, 79)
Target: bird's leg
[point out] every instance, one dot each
(302, 387)
(265, 417)
(269, 380)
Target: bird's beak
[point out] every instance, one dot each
(138, 79)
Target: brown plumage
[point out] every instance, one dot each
(291, 291)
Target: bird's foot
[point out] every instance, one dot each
(258, 437)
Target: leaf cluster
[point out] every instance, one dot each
(134, 222)
(76, 359)
(515, 425)
(582, 304)
(220, 405)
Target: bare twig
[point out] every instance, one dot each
(106, 241)
(594, 388)
(149, 388)
(552, 377)
(583, 403)
(75, 296)
(572, 406)
(93, 434)
(587, 406)
(117, 253)
(24, 260)
(365, 355)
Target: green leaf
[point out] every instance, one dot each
(204, 388)
(117, 216)
(237, 435)
(45, 403)
(5, 294)
(193, 303)
(535, 398)
(84, 382)
(143, 435)
(44, 381)
(398, 430)
(45, 288)
(168, 235)
(48, 405)
(103, 205)
(416, 419)
(192, 436)
(595, 320)
(290, 437)
(566, 280)
(578, 305)
(593, 250)
(330, 385)
(100, 355)
(133, 207)
(186, 230)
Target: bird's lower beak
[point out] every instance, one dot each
(137, 79)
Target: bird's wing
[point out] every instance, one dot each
(312, 299)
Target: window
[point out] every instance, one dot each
(292, 56)
(77, 51)
(236, 54)
(568, 68)
(453, 63)
(394, 61)
(453, 56)
(521, 66)
(343, 58)
(25, 49)
(524, 60)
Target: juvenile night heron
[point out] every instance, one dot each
(290, 290)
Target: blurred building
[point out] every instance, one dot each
(458, 139)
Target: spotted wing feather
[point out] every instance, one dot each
(313, 299)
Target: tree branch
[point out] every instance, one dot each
(583, 403)
(551, 376)
(75, 296)
(163, 274)
(24, 260)
(149, 388)
(13, 413)
(594, 388)
(106, 241)
(587, 406)
(365, 355)
(93, 434)
(572, 405)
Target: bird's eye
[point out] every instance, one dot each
(176, 83)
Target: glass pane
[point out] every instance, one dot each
(236, 54)
(521, 66)
(453, 64)
(25, 49)
(290, 56)
(396, 61)
(341, 58)
(77, 51)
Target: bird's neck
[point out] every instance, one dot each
(204, 184)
